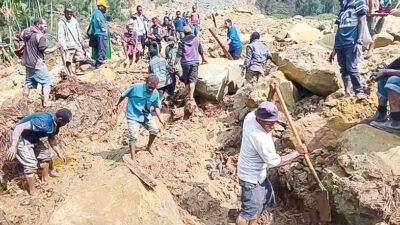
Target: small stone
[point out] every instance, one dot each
(302, 177)
(298, 166)
(358, 178)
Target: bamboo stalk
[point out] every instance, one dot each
(40, 11)
(51, 15)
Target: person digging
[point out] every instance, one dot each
(27, 147)
(257, 155)
(388, 91)
(142, 99)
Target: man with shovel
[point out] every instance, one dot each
(257, 154)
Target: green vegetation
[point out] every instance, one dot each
(288, 8)
(15, 15)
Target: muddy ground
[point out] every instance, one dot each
(196, 159)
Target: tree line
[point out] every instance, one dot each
(301, 7)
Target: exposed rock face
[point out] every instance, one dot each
(362, 184)
(367, 149)
(302, 32)
(307, 64)
(117, 197)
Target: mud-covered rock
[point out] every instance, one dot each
(367, 150)
(383, 40)
(250, 95)
(116, 197)
(307, 64)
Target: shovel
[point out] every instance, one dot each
(323, 195)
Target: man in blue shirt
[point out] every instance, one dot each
(142, 98)
(27, 146)
(98, 23)
(234, 42)
(348, 44)
(179, 23)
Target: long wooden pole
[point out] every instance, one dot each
(220, 44)
(297, 138)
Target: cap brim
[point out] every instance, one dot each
(104, 5)
(276, 119)
(170, 42)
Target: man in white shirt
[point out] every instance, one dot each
(257, 154)
(139, 22)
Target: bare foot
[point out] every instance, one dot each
(34, 193)
(149, 150)
(47, 104)
(368, 55)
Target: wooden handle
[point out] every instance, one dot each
(220, 44)
(297, 137)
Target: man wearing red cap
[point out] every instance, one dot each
(257, 154)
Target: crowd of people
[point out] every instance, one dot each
(184, 53)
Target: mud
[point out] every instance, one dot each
(195, 159)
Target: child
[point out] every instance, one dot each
(195, 21)
(129, 44)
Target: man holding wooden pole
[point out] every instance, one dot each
(257, 154)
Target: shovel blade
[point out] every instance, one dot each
(323, 206)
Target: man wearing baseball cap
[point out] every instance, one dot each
(26, 144)
(257, 155)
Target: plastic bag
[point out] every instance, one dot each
(366, 36)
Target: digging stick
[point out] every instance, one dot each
(220, 44)
(323, 196)
(214, 20)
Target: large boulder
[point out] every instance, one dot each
(364, 182)
(219, 77)
(250, 96)
(383, 40)
(369, 151)
(116, 197)
(315, 131)
(302, 32)
(307, 65)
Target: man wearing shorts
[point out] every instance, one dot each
(27, 146)
(71, 40)
(33, 59)
(189, 52)
(257, 155)
(195, 21)
(142, 99)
